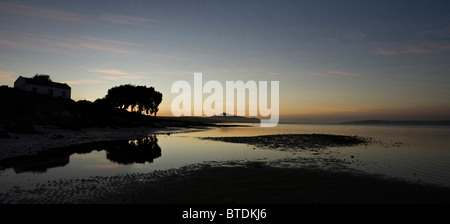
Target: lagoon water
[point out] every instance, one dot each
(415, 153)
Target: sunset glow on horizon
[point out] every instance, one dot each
(335, 61)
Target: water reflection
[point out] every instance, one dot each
(124, 152)
(40, 164)
(135, 151)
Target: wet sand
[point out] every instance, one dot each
(289, 181)
(235, 183)
(295, 142)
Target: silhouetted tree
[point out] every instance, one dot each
(157, 99)
(42, 78)
(103, 105)
(136, 98)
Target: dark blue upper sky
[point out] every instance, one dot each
(335, 60)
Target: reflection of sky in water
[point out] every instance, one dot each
(176, 151)
(408, 152)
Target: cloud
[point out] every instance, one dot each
(116, 75)
(168, 73)
(328, 73)
(426, 48)
(165, 56)
(109, 71)
(62, 45)
(112, 78)
(384, 51)
(109, 41)
(61, 15)
(354, 36)
(10, 43)
(440, 33)
(73, 46)
(42, 13)
(118, 78)
(418, 48)
(243, 70)
(97, 47)
(85, 81)
(128, 20)
(342, 73)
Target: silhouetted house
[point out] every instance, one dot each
(55, 89)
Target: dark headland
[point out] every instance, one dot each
(222, 118)
(407, 122)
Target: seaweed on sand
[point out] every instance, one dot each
(295, 141)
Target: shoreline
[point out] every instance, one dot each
(50, 137)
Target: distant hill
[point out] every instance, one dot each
(224, 117)
(411, 122)
(216, 119)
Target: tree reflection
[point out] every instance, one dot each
(41, 164)
(135, 151)
(123, 152)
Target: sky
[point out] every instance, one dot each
(334, 60)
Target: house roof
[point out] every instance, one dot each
(46, 83)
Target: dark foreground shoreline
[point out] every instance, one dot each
(269, 185)
(246, 183)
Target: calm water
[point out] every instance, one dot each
(413, 153)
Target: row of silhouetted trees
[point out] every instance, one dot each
(135, 98)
